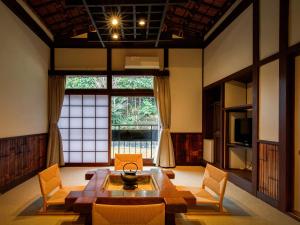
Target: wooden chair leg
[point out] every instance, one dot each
(44, 207)
(220, 207)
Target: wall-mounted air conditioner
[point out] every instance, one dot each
(208, 150)
(137, 62)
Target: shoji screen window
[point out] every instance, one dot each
(84, 128)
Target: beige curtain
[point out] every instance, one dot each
(56, 92)
(165, 153)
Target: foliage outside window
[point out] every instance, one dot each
(132, 82)
(134, 111)
(135, 125)
(86, 82)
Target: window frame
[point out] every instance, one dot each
(111, 92)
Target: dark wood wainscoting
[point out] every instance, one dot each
(21, 158)
(188, 148)
(268, 184)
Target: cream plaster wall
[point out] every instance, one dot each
(294, 30)
(269, 102)
(118, 56)
(235, 94)
(269, 27)
(186, 89)
(80, 59)
(24, 63)
(297, 135)
(231, 51)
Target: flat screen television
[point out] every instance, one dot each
(243, 131)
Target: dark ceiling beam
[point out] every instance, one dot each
(137, 34)
(148, 21)
(121, 23)
(134, 21)
(18, 10)
(129, 13)
(124, 21)
(93, 22)
(162, 22)
(83, 43)
(99, 3)
(92, 36)
(129, 28)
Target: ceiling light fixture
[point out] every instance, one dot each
(114, 21)
(142, 22)
(115, 36)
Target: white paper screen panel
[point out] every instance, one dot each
(89, 134)
(269, 102)
(84, 128)
(75, 134)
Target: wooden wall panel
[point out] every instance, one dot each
(269, 170)
(188, 148)
(21, 158)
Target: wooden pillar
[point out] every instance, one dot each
(286, 111)
(255, 104)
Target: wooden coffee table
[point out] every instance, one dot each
(96, 192)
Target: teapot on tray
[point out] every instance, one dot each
(129, 177)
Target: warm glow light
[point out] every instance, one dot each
(115, 36)
(142, 22)
(114, 21)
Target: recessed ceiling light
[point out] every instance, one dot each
(115, 36)
(142, 22)
(114, 21)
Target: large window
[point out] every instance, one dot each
(84, 128)
(104, 115)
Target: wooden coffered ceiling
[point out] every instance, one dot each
(167, 21)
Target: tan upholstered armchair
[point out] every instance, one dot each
(121, 159)
(153, 214)
(51, 187)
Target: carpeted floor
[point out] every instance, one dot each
(21, 204)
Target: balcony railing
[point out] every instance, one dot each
(134, 139)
